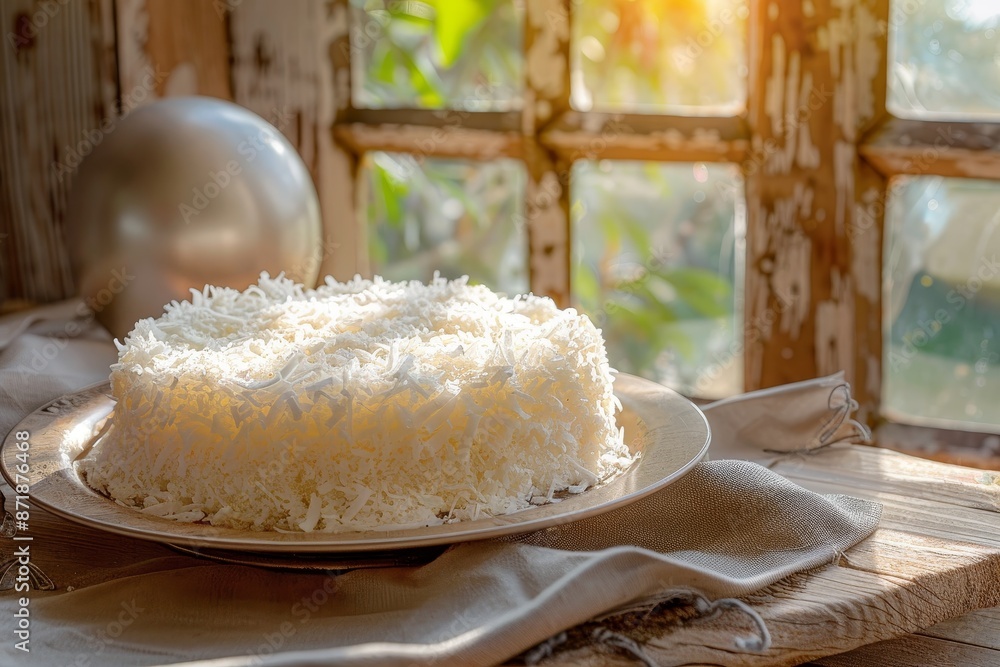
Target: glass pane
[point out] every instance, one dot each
(437, 54)
(685, 57)
(944, 58)
(453, 216)
(658, 265)
(942, 301)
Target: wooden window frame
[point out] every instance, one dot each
(801, 294)
(816, 147)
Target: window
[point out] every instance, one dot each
(449, 216)
(943, 301)
(657, 260)
(941, 281)
(647, 240)
(719, 183)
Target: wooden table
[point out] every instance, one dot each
(935, 557)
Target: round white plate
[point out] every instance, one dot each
(669, 431)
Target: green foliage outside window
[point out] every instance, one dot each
(657, 271)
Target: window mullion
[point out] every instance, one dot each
(618, 136)
(546, 96)
(813, 278)
(870, 52)
(448, 137)
(345, 245)
(927, 148)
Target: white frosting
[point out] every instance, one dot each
(356, 406)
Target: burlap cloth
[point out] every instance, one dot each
(726, 529)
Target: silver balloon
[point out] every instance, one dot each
(183, 193)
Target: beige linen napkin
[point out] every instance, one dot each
(728, 528)
(47, 352)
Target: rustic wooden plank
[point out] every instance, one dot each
(593, 136)
(879, 470)
(809, 615)
(915, 651)
(291, 65)
(183, 40)
(921, 148)
(930, 560)
(978, 628)
(819, 82)
(936, 521)
(963, 448)
(910, 557)
(978, 631)
(65, 95)
(779, 250)
(58, 101)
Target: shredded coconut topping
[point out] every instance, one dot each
(363, 405)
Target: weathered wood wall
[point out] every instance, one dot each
(58, 100)
(290, 66)
(813, 282)
(183, 42)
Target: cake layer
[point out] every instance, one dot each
(356, 406)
